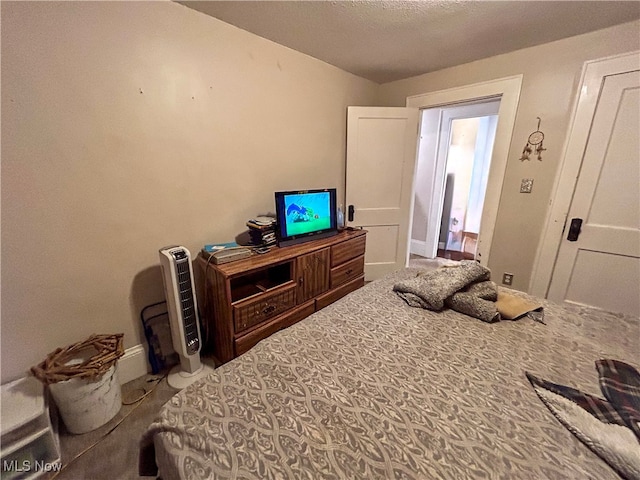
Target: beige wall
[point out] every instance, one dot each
(127, 127)
(130, 126)
(551, 75)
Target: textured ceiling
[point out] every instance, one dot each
(390, 40)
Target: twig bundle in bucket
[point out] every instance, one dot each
(58, 366)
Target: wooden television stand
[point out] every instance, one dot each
(248, 300)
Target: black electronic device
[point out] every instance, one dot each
(304, 215)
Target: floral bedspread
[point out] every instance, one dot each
(370, 387)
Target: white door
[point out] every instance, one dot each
(381, 155)
(598, 262)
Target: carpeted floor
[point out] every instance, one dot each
(115, 455)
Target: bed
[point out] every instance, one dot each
(370, 387)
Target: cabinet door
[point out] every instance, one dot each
(312, 272)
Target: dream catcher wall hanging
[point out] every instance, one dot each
(534, 144)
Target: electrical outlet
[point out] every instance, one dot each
(526, 185)
(507, 278)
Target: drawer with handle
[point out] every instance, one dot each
(248, 313)
(347, 271)
(248, 340)
(345, 251)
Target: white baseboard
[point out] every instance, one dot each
(133, 364)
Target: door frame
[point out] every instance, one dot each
(508, 90)
(584, 107)
(447, 115)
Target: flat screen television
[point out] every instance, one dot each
(305, 215)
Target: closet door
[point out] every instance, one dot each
(599, 258)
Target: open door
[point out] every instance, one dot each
(444, 145)
(381, 156)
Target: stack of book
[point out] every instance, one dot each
(262, 231)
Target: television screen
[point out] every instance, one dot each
(305, 215)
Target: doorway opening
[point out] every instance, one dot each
(452, 171)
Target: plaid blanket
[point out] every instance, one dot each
(620, 385)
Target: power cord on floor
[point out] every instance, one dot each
(139, 402)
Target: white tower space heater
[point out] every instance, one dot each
(182, 306)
